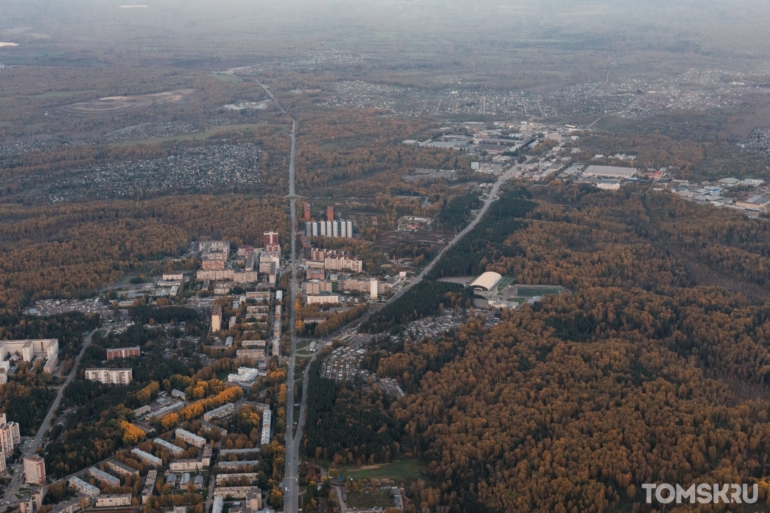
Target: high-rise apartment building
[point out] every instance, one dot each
(10, 436)
(330, 213)
(34, 470)
(307, 212)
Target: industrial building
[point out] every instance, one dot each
(621, 173)
(190, 438)
(486, 282)
(110, 376)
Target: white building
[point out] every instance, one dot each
(336, 229)
(219, 413)
(175, 449)
(110, 376)
(266, 422)
(621, 173)
(29, 349)
(245, 376)
(147, 457)
(149, 485)
(373, 288)
(190, 438)
(10, 436)
(86, 489)
(104, 477)
(322, 299)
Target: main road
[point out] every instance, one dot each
(13, 488)
(290, 480)
(465, 231)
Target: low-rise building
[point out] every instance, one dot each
(758, 202)
(104, 477)
(245, 375)
(219, 504)
(224, 479)
(190, 438)
(323, 299)
(216, 318)
(219, 413)
(237, 464)
(147, 457)
(235, 492)
(175, 449)
(251, 504)
(107, 501)
(149, 485)
(72, 506)
(121, 468)
(81, 486)
(186, 465)
(253, 354)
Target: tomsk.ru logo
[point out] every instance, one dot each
(701, 493)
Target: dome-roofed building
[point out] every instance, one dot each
(486, 281)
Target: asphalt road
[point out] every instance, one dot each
(290, 481)
(465, 231)
(46, 425)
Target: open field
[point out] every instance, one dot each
(116, 104)
(368, 499)
(399, 471)
(211, 132)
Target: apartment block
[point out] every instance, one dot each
(110, 376)
(123, 352)
(34, 470)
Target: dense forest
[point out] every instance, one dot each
(347, 425)
(73, 250)
(488, 242)
(650, 370)
(426, 298)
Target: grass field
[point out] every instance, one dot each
(369, 500)
(212, 132)
(227, 78)
(538, 291)
(507, 280)
(400, 470)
